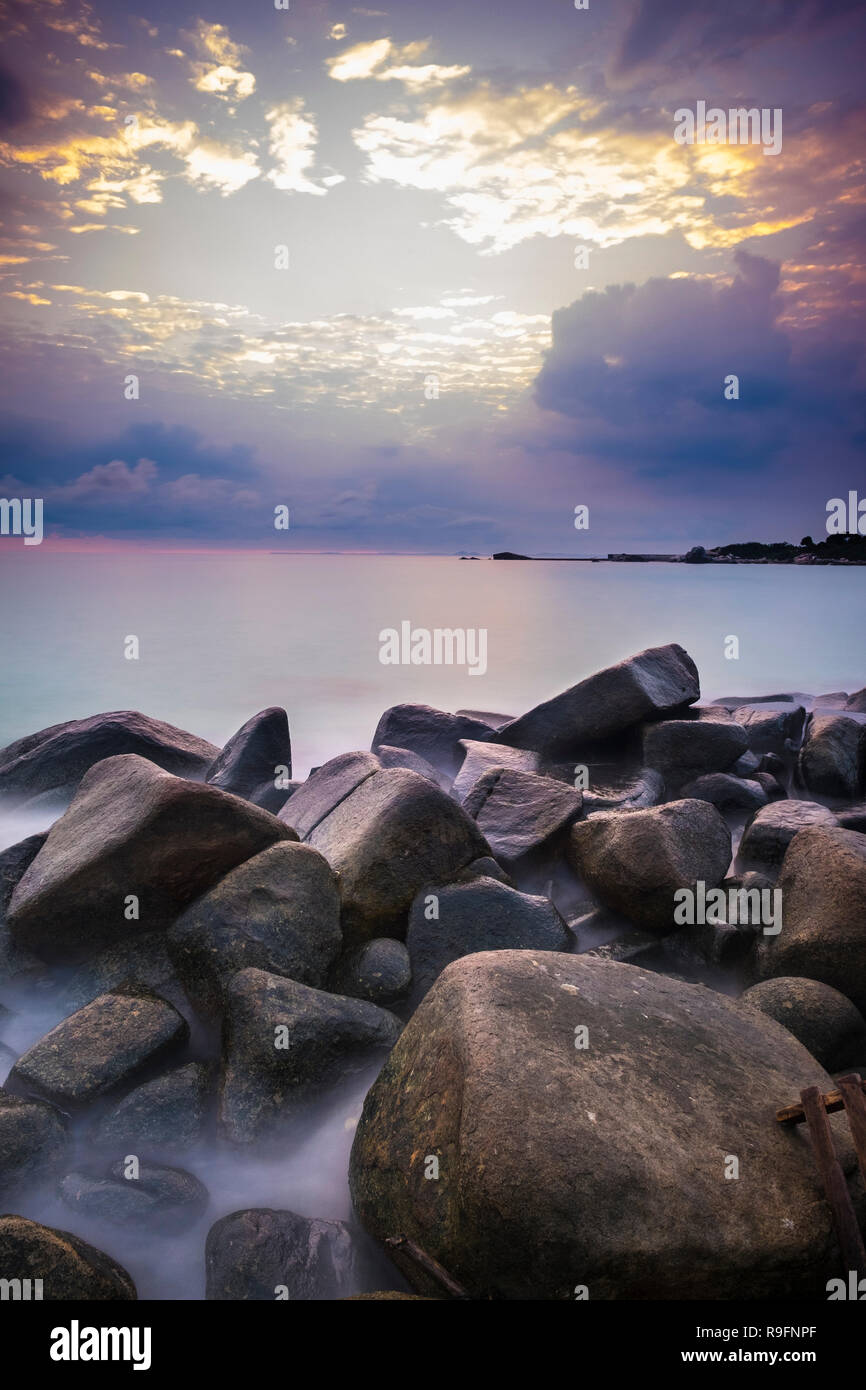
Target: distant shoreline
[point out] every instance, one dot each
(696, 556)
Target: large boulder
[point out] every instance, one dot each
(325, 788)
(380, 971)
(140, 964)
(404, 757)
(857, 702)
(165, 1200)
(823, 936)
(394, 833)
(433, 733)
(103, 1046)
(279, 911)
(832, 760)
(55, 759)
(824, 1021)
(684, 749)
(482, 757)
(654, 682)
(68, 1267)
(280, 1038)
(132, 832)
(263, 1255)
(33, 1141)
(635, 861)
(459, 919)
(167, 1113)
(520, 814)
(772, 828)
(771, 730)
(256, 763)
(583, 1113)
(727, 792)
(14, 863)
(610, 789)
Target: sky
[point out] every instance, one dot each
(430, 276)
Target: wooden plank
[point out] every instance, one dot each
(426, 1262)
(835, 1186)
(855, 1104)
(833, 1100)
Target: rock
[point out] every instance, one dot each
(776, 766)
(837, 699)
(771, 786)
(165, 1113)
(132, 831)
(430, 732)
(483, 716)
(697, 556)
(520, 814)
(256, 763)
(624, 793)
(852, 818)
(769, 730)
(69, 1268)
(635, 861)
(279, 1038)
(279, 911)
(684, 749)
(822, 1019)
(832, 760)
(747, 765)
(325, 788)
(14, 862)
(722, 790)
(480, 916)
(380, 971)
(167, 1200)
(393, 834)
(140, 965)
(56, 759)
(654, 682)
(823, 936)
(624, 1192)
(33, 1141)
(770, 831)
(262, 1255)
(404, 757)
(102, 1046)
(483, 757)
(857, 702)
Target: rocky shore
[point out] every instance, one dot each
(594, 947)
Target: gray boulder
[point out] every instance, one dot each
(380, 971)
(256, 763)
(521, 814)
(263, 1255)
(771, 730)
(433, 733)
(852, 818)
(101, 1047)
(55, 759)
(654, 682)
(483, 757)
(823, 936)
(69, 1268)
(635, 861)
(626, 791)
(461, 919)
(404, 757)
(822, 1019)
(771, 829)
(132, 832)
(325, 788)
(832, 760)
(857, 702)
(166, 1200)
(33, 1141)
(279, 911)
(726, 792)
(602, 1165)
(140, 965)
(280, 1038)
(166, 1113)
(684, 749)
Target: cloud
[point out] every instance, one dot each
(366, 60)
(293, 136)
(218, 70)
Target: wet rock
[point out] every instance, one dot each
(104, 1045)
(654, 682)
(56, 759)
(747, 765)
(625, 1190)
(404, 757)
(483, 757)
(823, 937)
(431, 732)
(279, 911)
(822, 1019)
(133, 834)
(724, 791)
(137, 964)
(14, 863)
(167, 1200)
(770, 831)
(852, 818)
(684, 749)
(256, 763)
(472, 917)
(771, 786)
(33, 1141)
(69, 1268)
(394, 833)
(380, 971)
(325, 788)
(521, 814)
(635, 861)
(264, 1255)
(624, 793)
(281, 1037)
(771, 730)
(165, 1113)
(832, 760)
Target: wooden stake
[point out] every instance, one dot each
(855, 1103)
(430, 1266)
(833, 1100)
(835, 1186)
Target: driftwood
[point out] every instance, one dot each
(426, 1262)
(813, 1110)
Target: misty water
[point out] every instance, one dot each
(224, 635)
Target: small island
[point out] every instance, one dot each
(847, 549)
